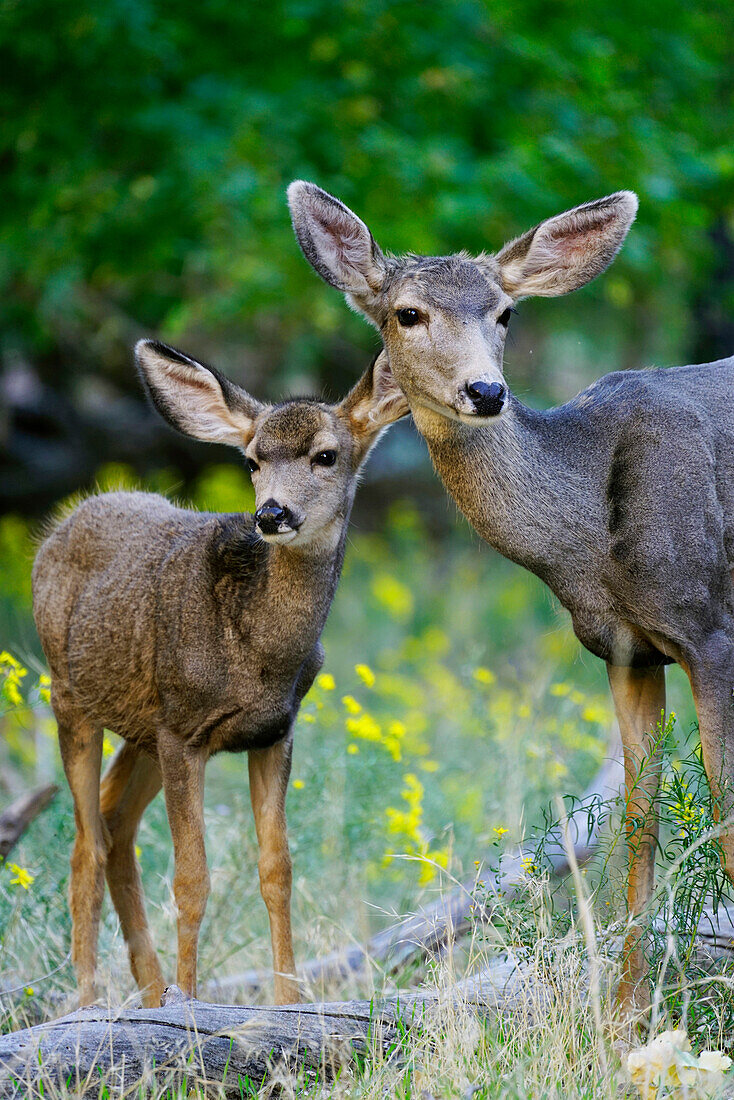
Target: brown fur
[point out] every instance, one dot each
(189, 634)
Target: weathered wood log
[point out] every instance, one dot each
(433, 926)
(223, 1045)
(15, 819)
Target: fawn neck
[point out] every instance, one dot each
(277, 596)
(524, 484)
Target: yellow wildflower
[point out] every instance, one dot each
(351, 705)
(298, 784)
(500, 830)
(326, 681)
(365, 727)
(44, 688)
(393, 595)
(21, 877)
(365, 674)
(352, 749)
(484, 675)
(560, 689)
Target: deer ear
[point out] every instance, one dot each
(337, 243)
(567, 251)
(195, 399)
(375, 402)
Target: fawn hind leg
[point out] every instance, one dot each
(639, 699)
(131, 782)
(269, 772)
(81, 754)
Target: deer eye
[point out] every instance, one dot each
(324, 458)
(408, 317)
(252, 466)
(504, 318)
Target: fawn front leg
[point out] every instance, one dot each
(81, 755)
(183, 787)
(639, 699)
(269, 772)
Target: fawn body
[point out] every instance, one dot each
(193, 633)
(621, 500)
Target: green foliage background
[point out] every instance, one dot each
(147, 145)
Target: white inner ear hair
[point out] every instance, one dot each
(345, 246)
(200, 405)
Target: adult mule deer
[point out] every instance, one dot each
(193, 633)
(621, 500)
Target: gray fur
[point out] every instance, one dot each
(621, 500)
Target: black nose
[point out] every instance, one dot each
(270, 515)
(487, 397)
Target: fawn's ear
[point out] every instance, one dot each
(375, 402)
(567, 251)
(195, 399)
(337, 243)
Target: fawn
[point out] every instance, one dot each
(192, 633)
(621, 500)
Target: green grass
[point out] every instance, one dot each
(469, 706)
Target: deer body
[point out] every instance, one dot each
(194, 633)
(621, 500)
(223, 660)
(597, 498)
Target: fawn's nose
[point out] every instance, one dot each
(487, 397)
(270, 515)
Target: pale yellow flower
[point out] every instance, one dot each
(326, 681)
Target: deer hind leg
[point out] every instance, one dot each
(129, 785)
(81, 754)
(639, 699)
(269, 772)
(183, 787)
(711, 672)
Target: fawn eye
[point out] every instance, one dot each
(504, 318)
(324, 458)
(408, 317)
(252, 466)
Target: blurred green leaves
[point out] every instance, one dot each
(147, 145)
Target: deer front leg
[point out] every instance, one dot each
(81, 754)
(130, 783)
(639, 700)
(269, 772)
(183, 787)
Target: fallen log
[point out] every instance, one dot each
(225, 1046)
(433, 926)
(15, 819)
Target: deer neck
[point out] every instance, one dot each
(524, 485)
(301, 582)
(277, 597)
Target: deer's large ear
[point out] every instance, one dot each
(337, 243)
(375, 402)
(567, 251)
(195, 399)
